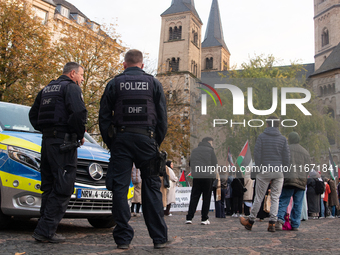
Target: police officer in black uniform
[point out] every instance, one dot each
(59, 113)
(133, 122)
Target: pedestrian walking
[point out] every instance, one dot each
(294, 184)
(272, 153)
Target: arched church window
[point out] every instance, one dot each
(174, 65)
(325, 91)
(175, 33)
(209, 63)
(168, 95)
(170, 34)
(225, 66)
(325, 37)
(330, 90)
(179, 33)
(194, 39)
(321, 91)
(174, 95)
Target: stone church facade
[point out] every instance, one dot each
(325, 80)
(184, 60)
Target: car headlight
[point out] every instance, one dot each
(24, 156)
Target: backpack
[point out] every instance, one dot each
(319, 187)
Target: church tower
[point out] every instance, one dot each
(180, 43)
(326, 29)
(179, 70)
(215, 54)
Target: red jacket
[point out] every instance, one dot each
(327, 191)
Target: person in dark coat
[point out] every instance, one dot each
(333, 201)
(229, 194)
(202, 159)
(313, 199)
(238, 191)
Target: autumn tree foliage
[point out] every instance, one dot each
(100, 55)
(177, 139)
(26, 53)
(31, 56)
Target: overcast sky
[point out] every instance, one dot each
(284, 28)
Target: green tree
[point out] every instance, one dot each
(26, 52)
(262, 76)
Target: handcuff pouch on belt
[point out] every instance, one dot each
(70, 142)
(157, 165)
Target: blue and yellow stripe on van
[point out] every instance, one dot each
(19, 182)
(19, 142)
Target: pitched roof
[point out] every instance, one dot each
(73, 9)
(178, 6)
(214, 33)
(331, 63)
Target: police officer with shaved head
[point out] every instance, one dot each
(133, 123)
(59, 113)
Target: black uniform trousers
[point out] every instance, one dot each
(128, 148)
(200, 186)
(58, 174)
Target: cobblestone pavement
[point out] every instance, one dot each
(222, 236)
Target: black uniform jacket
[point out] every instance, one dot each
(75, 107)
(108, 100)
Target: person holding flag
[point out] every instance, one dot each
(271, 154)
(202, 158)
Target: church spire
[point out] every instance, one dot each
(178, 6)
(214, 33)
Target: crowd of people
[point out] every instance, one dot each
(285, 198)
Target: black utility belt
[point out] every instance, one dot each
(54, 134)
(142, 131)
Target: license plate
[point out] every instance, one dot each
(94, 194)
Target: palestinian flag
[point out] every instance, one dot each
(189, 175)
(182, 180)
(332, 166)
(244, 159)
(230, 158)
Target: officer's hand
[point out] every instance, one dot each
(82, 141)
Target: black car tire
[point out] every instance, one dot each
(102, 222)
(5, 220)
